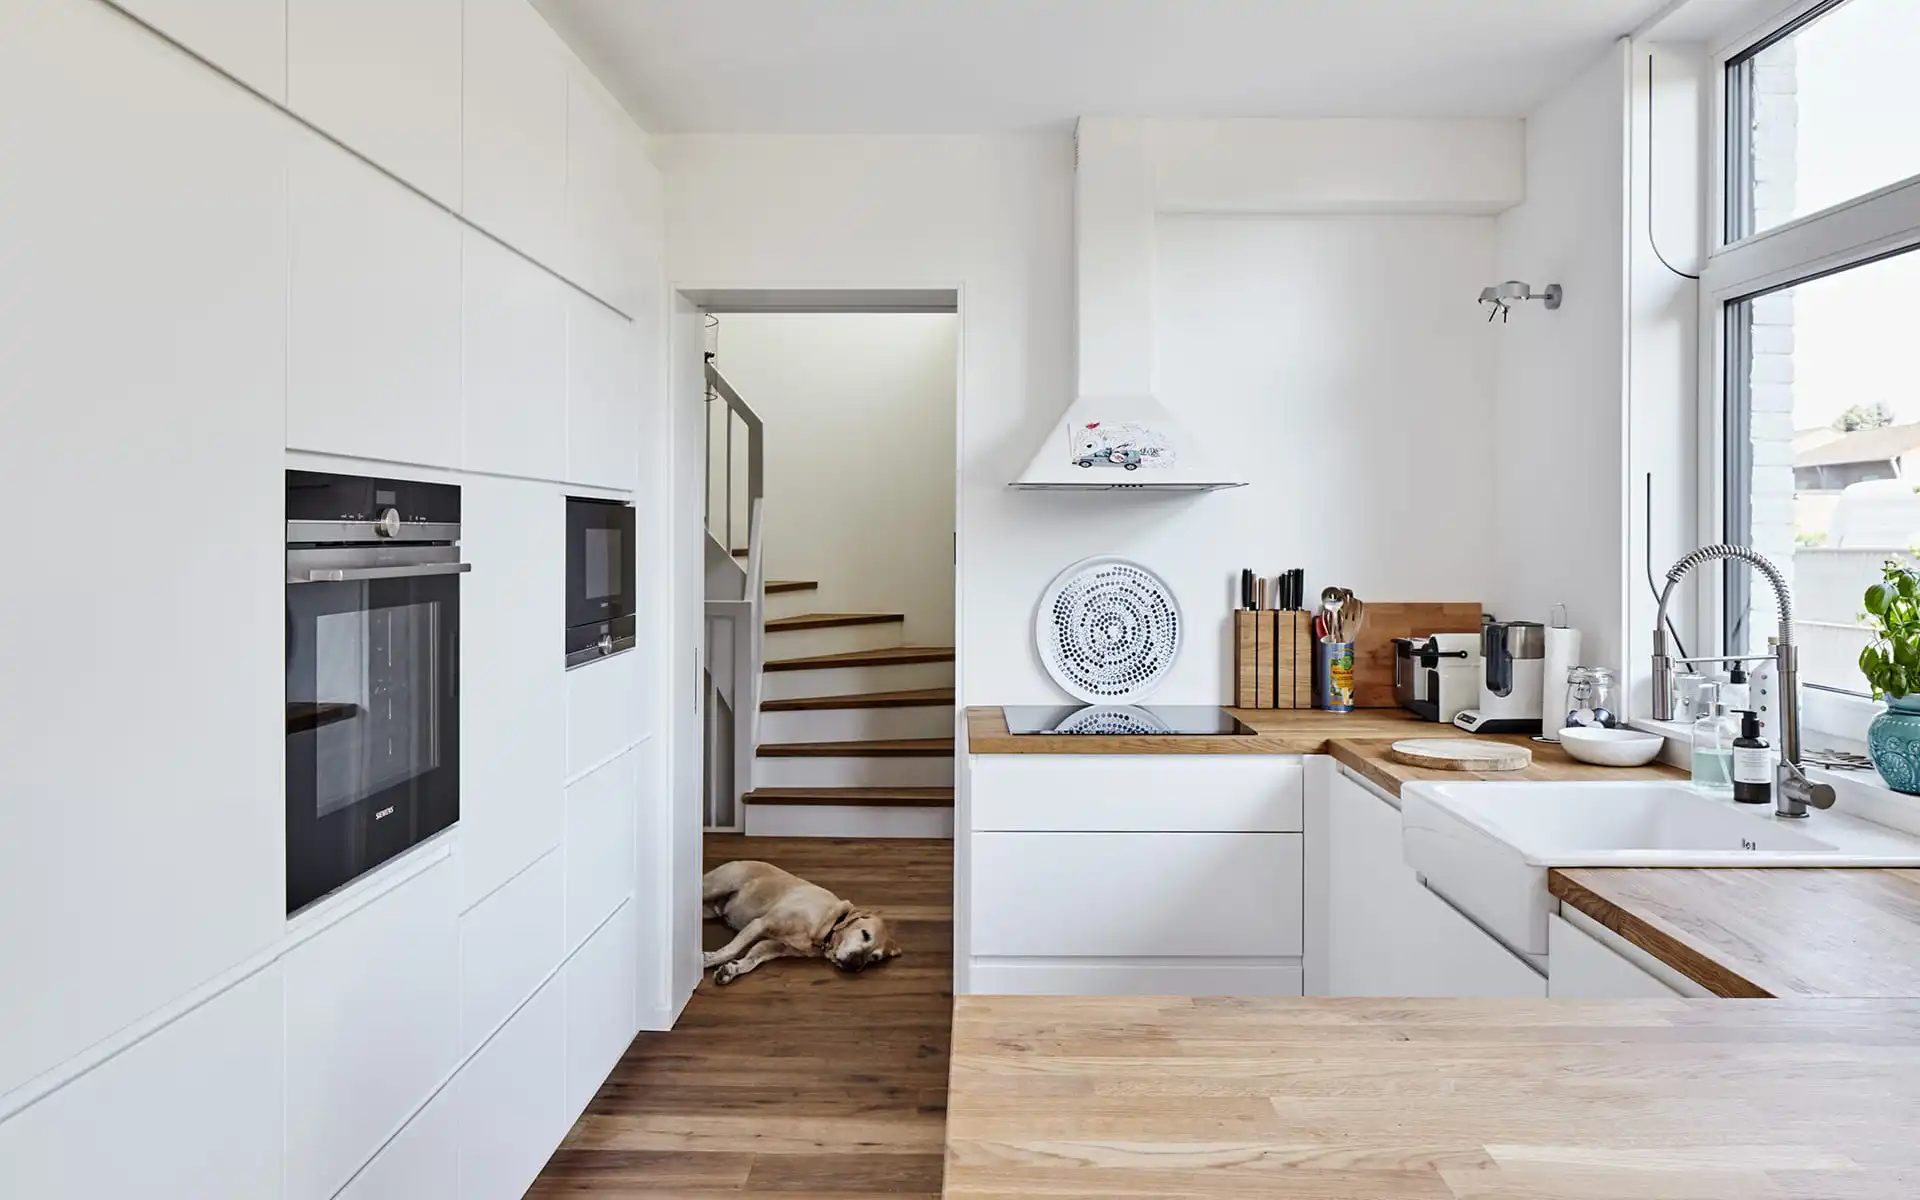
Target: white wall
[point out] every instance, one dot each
(194, 272)
(859, 412)
(1244, 347)
(991, 216)
(1560, 498)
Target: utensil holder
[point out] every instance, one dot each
(1333, 676)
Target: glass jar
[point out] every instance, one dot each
(1590, 698)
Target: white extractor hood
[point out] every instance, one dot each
(1129, 442)
(1117, 435)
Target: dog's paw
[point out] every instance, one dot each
(726, 975)
(710, 960)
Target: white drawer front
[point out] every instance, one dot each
(603, 710)
(1137, 792)
(600, 816)
(509, 943)
(600, 1021)
(1137, 894)
(1579, 965)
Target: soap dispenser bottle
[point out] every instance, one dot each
(1713, 738)
(1752, 763)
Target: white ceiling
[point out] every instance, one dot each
(909, 66)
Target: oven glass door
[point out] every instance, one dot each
(600, 565)
(373, 724)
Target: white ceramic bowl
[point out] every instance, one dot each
(1611, 747)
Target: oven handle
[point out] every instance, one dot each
(344, 574)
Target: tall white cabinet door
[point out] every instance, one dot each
(603, 402)
(372, 1028)
(245, 38)
(513, 363)
(515, 129)
(383, 76)
(512, 1100)
(142, 319)
(192, 1111)
(513, 711)
(603, 214)
(373, 314)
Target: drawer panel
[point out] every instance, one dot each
(600, 822)
(1137, 792)
(1218, 895)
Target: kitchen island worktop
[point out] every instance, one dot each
(1622, 1099)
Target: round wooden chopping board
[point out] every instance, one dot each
(1460, 754)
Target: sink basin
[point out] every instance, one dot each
(1487, 846)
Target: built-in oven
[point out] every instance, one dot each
(600, 572)
(373, 681)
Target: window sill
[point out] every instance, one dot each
(1861, 794)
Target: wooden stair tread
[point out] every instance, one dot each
(891, 656)
(775, 586)
(856, 797)
(911, 698)
(830, 621)
(868, 748)
(740, 551)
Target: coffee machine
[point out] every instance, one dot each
(1515, 657)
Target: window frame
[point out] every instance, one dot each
(1847, 235)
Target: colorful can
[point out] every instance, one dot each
(1333, 676)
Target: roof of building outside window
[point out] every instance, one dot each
(1889, 442)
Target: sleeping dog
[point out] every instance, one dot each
(777, 915)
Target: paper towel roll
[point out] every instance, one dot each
(1563, 655)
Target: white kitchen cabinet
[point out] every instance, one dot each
(513, 704)
(1136, 894)
(599, 845)
(373, 314)
(421, 1163)
(603, 212)
(1387, 935)
(245, 38)
(513, 324)
(383, 78)
(1579, 965)
(1175, 793)
(510, 1100)
(515, 129)
(603, 395)
(144, 251)
(372, 1016)
(600, 1008)
(190, 1112)
(510, 943)
(603, 710)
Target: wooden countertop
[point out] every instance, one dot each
(1550, 762)
(1833, 933)
(1390, 1099)
(1286, 731)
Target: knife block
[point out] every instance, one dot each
(1272, 659)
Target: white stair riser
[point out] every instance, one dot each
(857, 724)
(818, 820)
(840, 639)
(929, 771)
(847, 681)
(792, 604)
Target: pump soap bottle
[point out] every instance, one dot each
(1752, 762)
(1713, 736)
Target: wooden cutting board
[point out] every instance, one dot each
(1461, 754)
(1373, 649)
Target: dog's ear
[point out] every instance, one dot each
(836, 917)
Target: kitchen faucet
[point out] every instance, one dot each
(1792, 790)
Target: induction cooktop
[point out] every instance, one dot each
(1124, 720)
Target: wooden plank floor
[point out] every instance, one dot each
(797, 1080)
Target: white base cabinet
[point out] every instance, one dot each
(1578, 964)
(1386, 934)
(1133, 875)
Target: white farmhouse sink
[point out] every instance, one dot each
(1487, 846)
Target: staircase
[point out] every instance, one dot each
(824, 724)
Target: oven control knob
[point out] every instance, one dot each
(387, 524)
(606, 643)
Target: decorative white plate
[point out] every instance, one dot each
(1108, 630)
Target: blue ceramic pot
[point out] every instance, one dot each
(1893, 742)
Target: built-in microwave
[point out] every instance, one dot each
(600, 574)
(373, 680)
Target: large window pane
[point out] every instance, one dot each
(1830, 111)
(1824, 474)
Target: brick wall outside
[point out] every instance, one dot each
(1775, 153)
